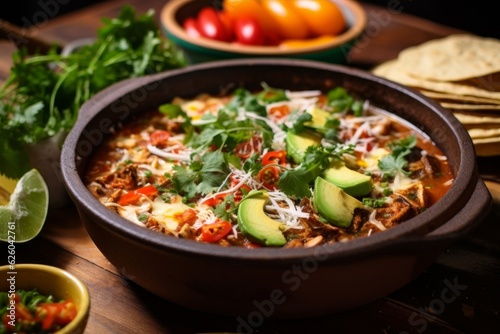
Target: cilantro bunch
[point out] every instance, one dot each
(44, 92)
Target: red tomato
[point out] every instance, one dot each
(159, 137)
(288, 22)
(191, 27)
(322, 17)
(210, 25)
(273, 38)
(133, 196)
(269, 177)
(241, 192)
(215, 200)
(274, 157)
(215, 231)
(238, 9)
(227, 21)
(248, 31)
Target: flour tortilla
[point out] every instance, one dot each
(475, 120)
(453, 58)
(457, 98)
(484, 133)
(487, 147)
(392, 70)
(458, 106)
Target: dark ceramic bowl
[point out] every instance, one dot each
(199, 50)
(282, 283)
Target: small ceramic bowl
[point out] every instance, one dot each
(203, 49)
(50, 280)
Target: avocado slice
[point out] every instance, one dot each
(296, 144)
(334, 204)
(255, 224)
(352, 182)
(319, 119)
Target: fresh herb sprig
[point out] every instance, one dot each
(396, 162)
(296, 182)
(44, 92)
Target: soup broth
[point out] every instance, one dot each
(273, 168)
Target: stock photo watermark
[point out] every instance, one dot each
(437, 306)
(47, 9)
(11, 274)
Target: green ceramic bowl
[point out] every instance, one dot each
(51, 280)
(199, 50)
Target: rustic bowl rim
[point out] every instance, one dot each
(353, 11)
(466, 178)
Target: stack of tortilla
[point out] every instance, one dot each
(462, 73)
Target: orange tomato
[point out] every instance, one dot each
(238, 9)
(323, 17)
(289, 23)
(306, 43)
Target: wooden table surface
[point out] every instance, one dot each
(119, 306)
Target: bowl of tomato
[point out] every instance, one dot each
(36, 298)
(312, 29)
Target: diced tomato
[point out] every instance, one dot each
(133, 196)
(67, 313)
(246, 149)
(159, 137)
(215, 199)
(23, 314)
(51, 314)
(274, 157)
(215, 231)
(279, 111)
(46, 314)
(269, 177)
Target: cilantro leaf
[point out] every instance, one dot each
(299, 126)
(202, 176)
(391, 164)
(296, 182)
(396, 162)
(340, 100)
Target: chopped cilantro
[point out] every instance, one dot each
(374, 202)
(44, 92)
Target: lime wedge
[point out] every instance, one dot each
(23, 217)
